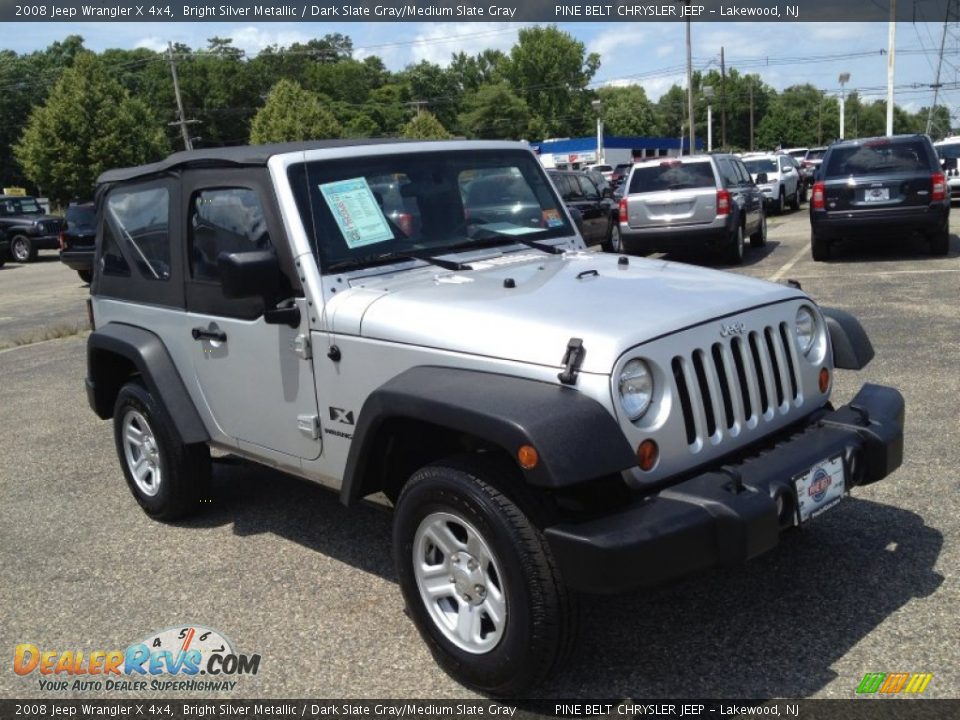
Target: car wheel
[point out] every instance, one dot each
(22, 250)
(479, 580)
(85, 275)
(795, 202)
(940, 241)
(803, 192)
(781, 203)
(759, 238)
(736, 247)
(167, 477)
(614, 243)
(819, 247)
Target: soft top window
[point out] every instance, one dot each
(20, 206)
(373, 209)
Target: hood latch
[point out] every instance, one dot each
(572, 361)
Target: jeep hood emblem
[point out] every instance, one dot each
(737, 328)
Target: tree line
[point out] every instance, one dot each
(67, 114)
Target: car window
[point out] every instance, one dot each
(587, 187)
(20, 206)
(815, 154)
(877, 157)
(784, 163)
(672, 175)
(570, 189)
(728, 173)
(224, 220)
(759, 165)
(81, 218)
(141, 219)
(742, 171)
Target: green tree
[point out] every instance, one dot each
(494, 111)
(88, 124)
(292, 113)
(550, 70)
(627, 111)
(424, 126)
(800, 116)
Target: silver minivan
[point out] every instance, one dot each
(695, 201)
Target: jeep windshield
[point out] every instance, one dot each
(377, 209)
(19, 206)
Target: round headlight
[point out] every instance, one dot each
(806, 327)
(636, 388)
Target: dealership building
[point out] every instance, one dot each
(575, 153)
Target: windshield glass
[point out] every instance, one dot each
(20, 206)
(876, 157)
(81, 218)
(761, 165)
(672, 175)
(371, 209)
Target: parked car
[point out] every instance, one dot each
(605, 170)
(948, 150)
(778, 179)
(880, 186)
(4, 247)
(811, 162)
(78, 238)
(619, 174)
(694, 201)
(593, 209)
(545, 421)
(602, 183)
(28, 228)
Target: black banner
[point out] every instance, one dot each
(866, 709)
(469, 10)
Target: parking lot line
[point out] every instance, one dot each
(881, 273)
(789, 264)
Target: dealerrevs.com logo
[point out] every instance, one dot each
(189, 657)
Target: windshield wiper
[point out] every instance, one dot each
(504, 238)
(384, 258)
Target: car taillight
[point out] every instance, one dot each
(723, 202)
(63, 245)
(818, 200)
(405, 221)
(939, 191)
(622, 210)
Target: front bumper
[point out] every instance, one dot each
(45, 242)
(729, 514)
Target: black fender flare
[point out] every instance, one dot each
(149, 356)
(852, 349)
(576, 438)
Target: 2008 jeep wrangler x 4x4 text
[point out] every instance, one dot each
(421, 319)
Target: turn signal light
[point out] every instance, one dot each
(528, 457)
(647, 455)
(824, 380)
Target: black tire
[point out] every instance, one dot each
(22, 250)
(782, 203)
(940, 241)
(85, 275)
(539, 619)
(735, 248)
(759, 238)
(819, 247)
(803, 192)
(795, 202)
(184, 470)
(614, 241)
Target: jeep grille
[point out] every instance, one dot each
(738, 382)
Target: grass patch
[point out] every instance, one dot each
(52, 332)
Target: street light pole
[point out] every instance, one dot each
(844, 79)
(597, 105)
(891, 62)
(689, 86)
(708, 94)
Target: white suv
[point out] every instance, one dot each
(778, 178)
(948, 150)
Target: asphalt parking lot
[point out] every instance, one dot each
(282, 569)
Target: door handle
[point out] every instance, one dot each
(204, 334)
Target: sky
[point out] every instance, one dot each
(649, 54)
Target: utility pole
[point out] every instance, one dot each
(820, 120)
(690, 87)
(723, 101)
(936, 83)
(891, 63)
(181, 120)
(750, 85)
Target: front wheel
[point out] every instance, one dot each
(795, 201)
(479, 580)
(22, 250)
(167, 477)
(782, 203)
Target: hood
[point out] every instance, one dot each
(587, 295)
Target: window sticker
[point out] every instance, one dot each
(356, 211)
(505, 228)
(552, 218)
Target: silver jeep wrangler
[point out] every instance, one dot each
(420, 319)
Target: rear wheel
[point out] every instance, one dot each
(736, 248)
(759, 238)
(167, 477)
(614, 243)
(479, 580)
(85, 275)
(22, 250)
(940, 241)
(819, 247)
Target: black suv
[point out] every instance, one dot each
(880, 186)
(591, 205)
(78, 239)
(28, 227)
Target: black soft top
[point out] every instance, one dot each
(253, 155)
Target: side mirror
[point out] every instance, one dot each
(250, 274)
(762, 178)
